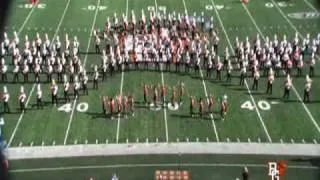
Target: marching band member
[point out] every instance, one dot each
(5, 97)
(224, 107)
(95, 77)
(54, 93)
(307, 89)
(287, 87)
(39, 97)
(84, 83)
(76, 87)
(66, 87)
(22, 99)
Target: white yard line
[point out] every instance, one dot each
(311, 6)
(164, 98)
(164, 109)
(34, 85)
(250, 94)
(121, 85)
(112, 166)
(205, 89)
(27, 19)
(84, 65)
(294, 89)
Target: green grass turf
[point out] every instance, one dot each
(286, 121)
(222, 167)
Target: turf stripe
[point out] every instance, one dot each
(162, 79)
(27, 18)
(205, 90)
(84, 65)
(34, 85)
(294, 89)
(251, 96)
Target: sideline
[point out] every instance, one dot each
(38, 152)
(68, 168)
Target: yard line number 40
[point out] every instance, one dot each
(263, 105)
(81, 107)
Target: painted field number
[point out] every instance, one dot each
(93, 8)
(30, 6)
(263, 105)
(210, 7)
(281, 4)
(160, 8)
(81, 107)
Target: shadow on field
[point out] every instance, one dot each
(197, 117)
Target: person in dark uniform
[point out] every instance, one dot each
(245, 174)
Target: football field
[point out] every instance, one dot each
(252, 116)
